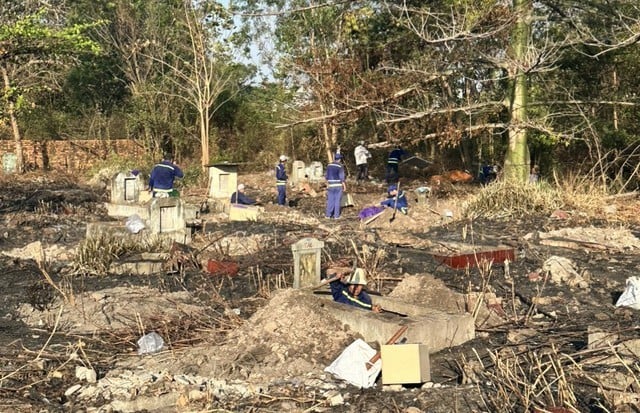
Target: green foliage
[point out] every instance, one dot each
(193, 176)
(115, 163)
(31, 35)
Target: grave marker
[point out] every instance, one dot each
(307, 254)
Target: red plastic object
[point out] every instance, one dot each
(229, 268)
(472, 259)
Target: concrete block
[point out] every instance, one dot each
(436, 329)
(127, 210)
(405, 364)
(140, 264)
(238, 212)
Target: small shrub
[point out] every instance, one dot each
(508, 198)
(94, 255)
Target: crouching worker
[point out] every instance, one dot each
(239, 197)
(397, 200)
(352, 291)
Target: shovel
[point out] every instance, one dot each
(395, 203)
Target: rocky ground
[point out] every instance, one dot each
(548, 334)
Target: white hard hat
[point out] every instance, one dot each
(240, 187)
(283, 158)
(358, 277)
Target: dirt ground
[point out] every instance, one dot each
(548, 334)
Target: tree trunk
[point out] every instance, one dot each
(11, 111)
(204, 138)
(516, 165)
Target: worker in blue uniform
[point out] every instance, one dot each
(352, 292)
(239, 197)
(393, 160)
(281, 180)
(397, 200)
(335, 177)
(163, 176)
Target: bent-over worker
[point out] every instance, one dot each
(396, 200)
(239, 197)
(162, 176)
(352, 291)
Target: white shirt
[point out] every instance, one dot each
(361, 154)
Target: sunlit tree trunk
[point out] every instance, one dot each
(11, 111)
(516, 165)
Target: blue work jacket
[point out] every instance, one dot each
(334, 175)
(402, 205)
(341, 294)
(162, 176)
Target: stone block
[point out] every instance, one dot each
(405, 364)
(238, 212)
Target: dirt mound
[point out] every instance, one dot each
(291, 336)
(427, 291)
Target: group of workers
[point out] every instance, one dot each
(336, 180)
(345, 288)
(163, 175)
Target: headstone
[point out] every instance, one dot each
(168, 216)
(9, 161)
(126, 188)
(315, 172)
(223, 180)
(306, 262)
(298, 172)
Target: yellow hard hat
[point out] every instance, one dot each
(358, 277)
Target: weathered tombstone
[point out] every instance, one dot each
(306, 262)
(167, 216)
(223, 182)
(9, 163)
(126, 188)
(298, 172)
(315, 171)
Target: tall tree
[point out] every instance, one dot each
(36, 41)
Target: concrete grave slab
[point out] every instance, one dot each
(435, 329)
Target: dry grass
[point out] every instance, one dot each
(508, 199)
(94, 255)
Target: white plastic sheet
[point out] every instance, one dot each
(631, 295)
(134, 224)
(351, 365)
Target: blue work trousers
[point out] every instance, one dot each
(334, 196)
(282, 194)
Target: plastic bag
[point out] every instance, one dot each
(134, 224)
(150, 343)
(631, 295)
(351, 365)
